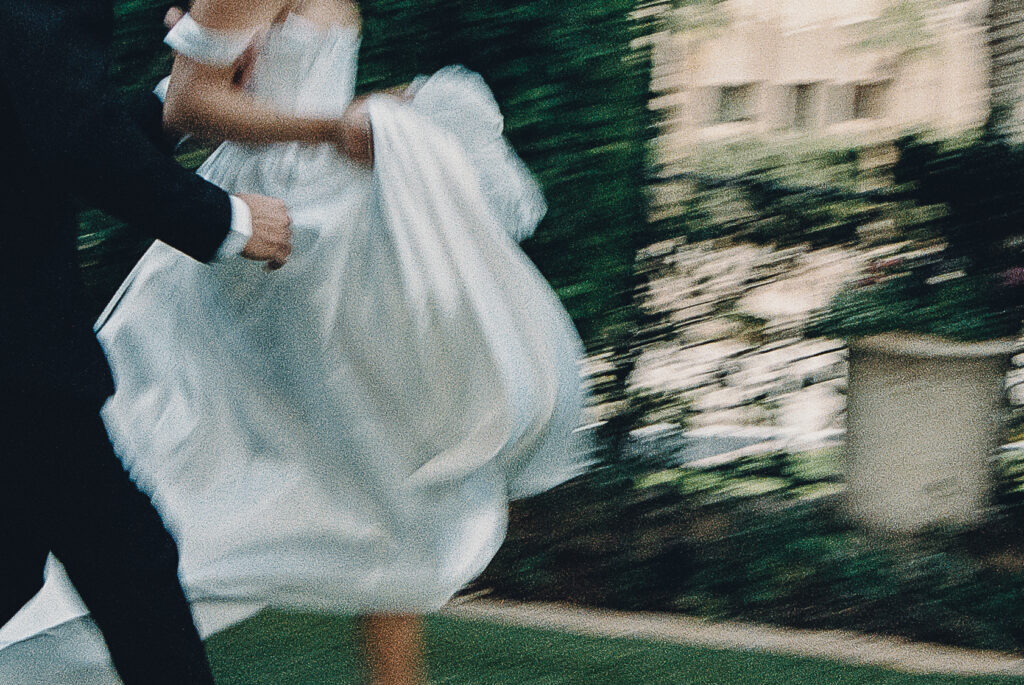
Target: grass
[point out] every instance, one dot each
(297, 649)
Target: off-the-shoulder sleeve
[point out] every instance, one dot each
(209, 46)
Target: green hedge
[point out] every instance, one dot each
(764, 539)
(574, 93)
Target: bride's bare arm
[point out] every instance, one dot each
(204, 99)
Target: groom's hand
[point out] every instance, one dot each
(271, 240)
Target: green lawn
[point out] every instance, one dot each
(295, 649)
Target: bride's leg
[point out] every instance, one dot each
(393, 644)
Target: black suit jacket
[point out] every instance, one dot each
(67, 137)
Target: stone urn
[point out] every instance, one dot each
(924, 418)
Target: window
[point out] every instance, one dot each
(804, 102)
(870, 100)
(735, 103)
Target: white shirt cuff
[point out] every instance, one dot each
(241, 230)
(161, 88)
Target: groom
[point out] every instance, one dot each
(68, 139)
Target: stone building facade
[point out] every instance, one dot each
(823, 68)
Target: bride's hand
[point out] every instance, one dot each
(355, 133)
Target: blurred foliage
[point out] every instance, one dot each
(949, 210)
(963, 276)
(768, 194)
(902, 28)
(698, 19)
(763, 539)
(963, 309)
(572, 80)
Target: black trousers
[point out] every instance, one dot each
(63, 490)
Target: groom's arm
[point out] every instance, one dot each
(53, 56)
(147, 107)
(147, 111)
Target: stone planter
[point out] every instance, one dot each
(924, 417)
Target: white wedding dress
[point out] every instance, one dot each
(344, 434)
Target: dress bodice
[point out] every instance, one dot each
(305, 68)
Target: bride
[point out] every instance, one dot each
(342, 434)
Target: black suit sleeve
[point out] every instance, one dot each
(53, 56)
(147, 111)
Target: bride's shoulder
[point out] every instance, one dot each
(230, 16)
(326, 13)
(237, 15)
